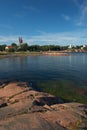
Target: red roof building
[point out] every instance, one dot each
(9, 47)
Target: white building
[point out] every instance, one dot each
(70, 46)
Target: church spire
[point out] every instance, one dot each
(20, 40)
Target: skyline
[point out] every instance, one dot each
(42, 22)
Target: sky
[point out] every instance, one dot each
(43, 22)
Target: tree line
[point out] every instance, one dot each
(37, 48)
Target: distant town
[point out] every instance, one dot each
(22, 46)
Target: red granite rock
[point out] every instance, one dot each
(22, 108)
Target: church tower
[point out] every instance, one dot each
(20, 41)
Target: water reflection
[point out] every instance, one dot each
(43, 68)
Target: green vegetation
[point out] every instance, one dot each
(33, 48)
(2, 47)
(77, 124)
(38, 48)
(66, 90)
(85, 48)
(3, 53)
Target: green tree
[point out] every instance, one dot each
(34, 48)
(45, 48)
(11, 50)
(24, 47)
(85, 48)
(2, 47)
(14, 45)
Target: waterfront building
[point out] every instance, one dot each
(8, 47)
(70, 46)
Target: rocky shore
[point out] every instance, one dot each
(23, 108)
(20, 54)
(51, 53)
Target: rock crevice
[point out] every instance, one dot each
(22, 108)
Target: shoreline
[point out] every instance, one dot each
(19, 54)
(48, 53)
(53, 53)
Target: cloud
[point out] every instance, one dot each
(66, 17)
(65, 38)
(19, 15)
(25, 9)
(82, 16)
(8, 39)
(30, 8)
(77, 37)
(77, 3)
(79, 23)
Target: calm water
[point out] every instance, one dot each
(45, 68)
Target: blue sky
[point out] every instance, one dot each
(60, 22)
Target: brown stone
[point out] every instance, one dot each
(23, 108)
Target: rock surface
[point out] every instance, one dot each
(54, 53)
(22, 108)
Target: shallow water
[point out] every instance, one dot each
(63, 76)
(46, 68)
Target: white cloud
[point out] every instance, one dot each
(65, 38)
(30, 8)
(26, 8)
(82, 16)
(8, 39)
(76, 2)
(19, 15)
(66, 17)
(79, 23)
(60, 39)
